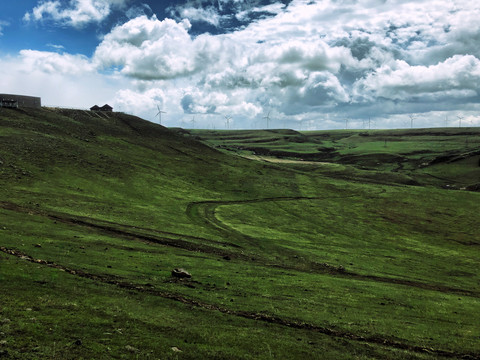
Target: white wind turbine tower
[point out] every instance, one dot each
(412, 117)
(460, 118)
(268, 119)
(227, 121)
(193, 122)
(159, 114)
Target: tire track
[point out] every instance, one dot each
(131, 233)
(321, 268)
(207, 209)
(396, 343)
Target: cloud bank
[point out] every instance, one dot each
(60, 79)
(307, 62)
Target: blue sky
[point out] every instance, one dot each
(310, 64)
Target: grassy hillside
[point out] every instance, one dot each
(289, 259)
(448, 157)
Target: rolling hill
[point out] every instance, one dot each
(448, 157)
(355, 251)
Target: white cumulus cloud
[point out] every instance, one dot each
(54, 63)
(208, 15)
(457, 76)
(149, 49)
(76, 13)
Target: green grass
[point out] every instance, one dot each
(409, 153)
(289, 260)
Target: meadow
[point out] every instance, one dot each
(300, 245)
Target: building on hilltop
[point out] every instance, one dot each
(105, 107)
(8, 103)
(18, 101)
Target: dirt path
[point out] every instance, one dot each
(291, 323)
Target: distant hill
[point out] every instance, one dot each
(441, 156)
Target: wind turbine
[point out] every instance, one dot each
(460, 118)
(268, 118)
(412, 117)
(193, 122)
(159, 114)
(227, 121)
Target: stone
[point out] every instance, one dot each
(131, 349)
(181, 273)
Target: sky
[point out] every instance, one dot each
(299, 64)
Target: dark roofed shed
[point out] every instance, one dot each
(106, 107)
